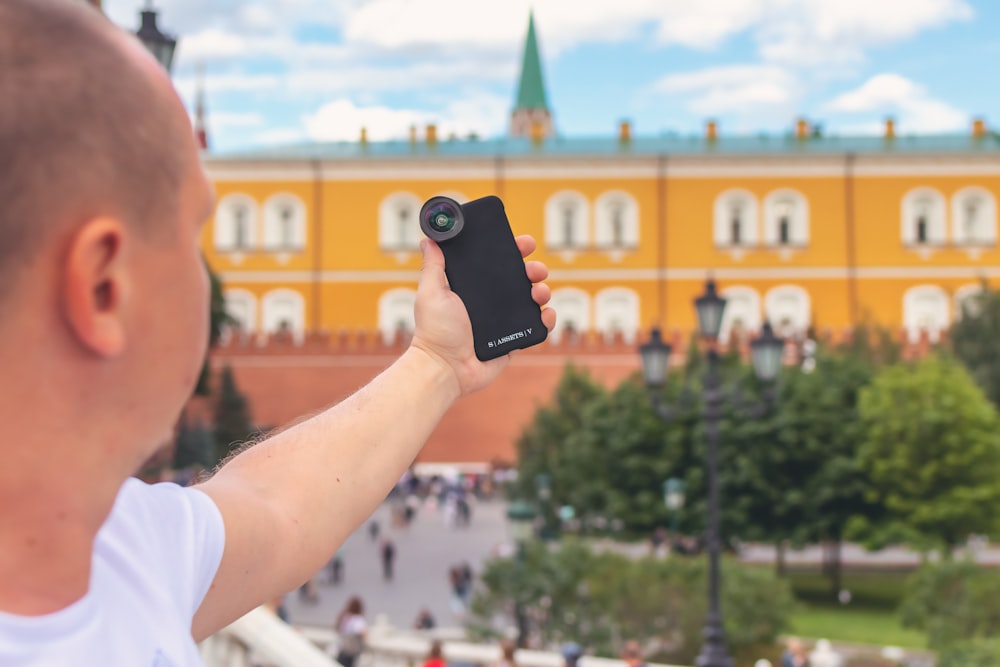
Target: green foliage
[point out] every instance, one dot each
(931, 448)
(952, 602)
(194, 446)
(218, 318)
(976, 340)
(599, 600)
(974, 653)
(233, 425)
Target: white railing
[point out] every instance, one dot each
(261, 639)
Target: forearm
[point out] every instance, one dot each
(327, 474)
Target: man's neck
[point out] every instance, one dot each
(47, 532)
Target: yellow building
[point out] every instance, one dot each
(803, 230)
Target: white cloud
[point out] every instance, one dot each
(908, 101)
(342, 120)
(739, 88)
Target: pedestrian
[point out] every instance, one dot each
(103, 198)
(571, 653)
(435, 656)
(508, 649)
(388, 558)
(352, 631)
(795, 654)
(337, 567)
(632, 654)
(425, 620)
(373, 530)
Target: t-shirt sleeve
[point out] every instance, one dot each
(180, 534)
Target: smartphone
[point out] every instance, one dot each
(486, 270)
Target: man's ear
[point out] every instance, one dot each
(94, 286)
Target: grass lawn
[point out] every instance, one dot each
(881, 589)
(854, 624)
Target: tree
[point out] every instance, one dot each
(233, 424)
(975, 340)
(218, 319)
(931, 448)
(195, 446)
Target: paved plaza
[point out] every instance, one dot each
(425, 551)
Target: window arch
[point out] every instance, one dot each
(617, 220)
(789, 310)
(974, 217)
(966, 297)
(398, 222)
(235, 226)
(925, 308)
(241, 307)
(283, 311)
(924, 217)
(786, 218)
(742, 314)
(617, 312)
(735, 219)
(567, 221)
(395, 313)
(573, 308)
(284, 223)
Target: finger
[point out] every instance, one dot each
(537, 272)
(549, 318)
(526, 244)
(541, 293)
(433, 266)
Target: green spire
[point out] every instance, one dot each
(531, 91)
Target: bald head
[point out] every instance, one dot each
(88, 127)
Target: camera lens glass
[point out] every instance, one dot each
(442, 218)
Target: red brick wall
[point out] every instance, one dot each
(284, 381)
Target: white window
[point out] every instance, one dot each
(735, 219)
(395, 314)
(616, 313)
(398, 222)
(236, 223)
(924, 218)
(573, 309)
(925, 309)
(284, 223)
(974, 217)
(967, 299)
(567, 221)
(742, 317)
(786, 219)
(241, 306)
(283, 311)
(617, 221)
(789, 310)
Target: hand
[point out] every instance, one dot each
(443, 328)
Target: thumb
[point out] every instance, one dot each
(433, 267)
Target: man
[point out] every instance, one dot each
(105, 319)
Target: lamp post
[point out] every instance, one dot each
(160, 44)
(673, 498)
(766, 357)
(521, 516)
(543, 490)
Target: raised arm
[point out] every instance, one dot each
(290, 501)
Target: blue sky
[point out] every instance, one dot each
(283, 71)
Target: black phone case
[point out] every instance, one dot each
(485, 268)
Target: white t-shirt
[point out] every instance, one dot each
(154, 559)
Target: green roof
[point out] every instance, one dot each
(531, 90)
(665, 144)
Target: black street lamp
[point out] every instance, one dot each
(521, 516)
(766, 357)
(161, 45)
